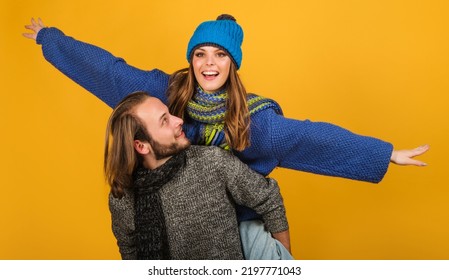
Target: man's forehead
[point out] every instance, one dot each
(152, 107)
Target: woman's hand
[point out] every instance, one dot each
(284, 238)
(405, 157)
(35, 26)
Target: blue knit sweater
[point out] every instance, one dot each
(316, 147)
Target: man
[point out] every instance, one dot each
(170, 200)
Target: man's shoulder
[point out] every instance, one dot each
(210, 158)
(198, 150)
(206, 151)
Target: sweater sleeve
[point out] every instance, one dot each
(108, 77)
(327, 149)
(252, 190)
(122, 216)
(315, 147)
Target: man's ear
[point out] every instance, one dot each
(142, 148)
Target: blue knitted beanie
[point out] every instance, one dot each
(223, 32)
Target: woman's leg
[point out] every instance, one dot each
(258, 244)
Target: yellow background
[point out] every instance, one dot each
(378, 68)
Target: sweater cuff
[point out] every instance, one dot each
(277, 221)
(46, 32)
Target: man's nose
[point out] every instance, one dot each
(177, 121)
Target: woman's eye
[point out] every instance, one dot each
(199, 54)
(221, 54)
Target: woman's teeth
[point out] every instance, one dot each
(210, 73)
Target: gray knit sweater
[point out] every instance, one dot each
(198, 205)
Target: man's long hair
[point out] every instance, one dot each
(237, 120)
(120, 157)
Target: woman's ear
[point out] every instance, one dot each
(142, 148)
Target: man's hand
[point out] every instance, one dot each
(36, 26)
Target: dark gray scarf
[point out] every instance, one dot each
(151, 233)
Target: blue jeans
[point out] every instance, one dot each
(258, 244)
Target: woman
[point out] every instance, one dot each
(211, 99)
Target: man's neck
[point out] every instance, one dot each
(153, 163)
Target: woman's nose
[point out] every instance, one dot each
(210, 60)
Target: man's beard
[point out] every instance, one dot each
(162, 151)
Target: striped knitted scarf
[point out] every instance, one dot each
(150, 229)
(210, 109)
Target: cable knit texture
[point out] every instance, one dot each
(316, 147)
(198, 207)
